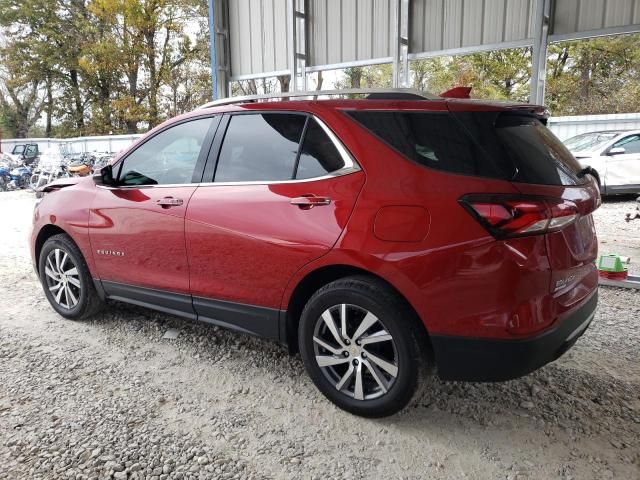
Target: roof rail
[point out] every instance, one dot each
(377, 93)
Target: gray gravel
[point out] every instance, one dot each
(110, 398)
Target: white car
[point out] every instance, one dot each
(613, 156)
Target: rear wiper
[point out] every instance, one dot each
(585, 171)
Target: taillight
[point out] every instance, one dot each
(507, 216)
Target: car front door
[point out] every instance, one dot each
(283, 190)
(623, 165)
(137, 225)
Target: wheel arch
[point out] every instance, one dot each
(46, 232)
(321, 276)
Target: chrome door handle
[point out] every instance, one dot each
(167, 202)
(307, 202)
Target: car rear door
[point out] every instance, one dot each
(137, 227)
(283, 190)
(623, 169)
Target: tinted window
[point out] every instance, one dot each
(630, 144)
(536, 152)
(168, 158)
(496, 145)
(318, 155)
(260, 147)
(434, 140)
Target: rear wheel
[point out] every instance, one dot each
(361, 347)
(66, 280)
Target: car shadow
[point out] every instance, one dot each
(627, 197)
(554, 396)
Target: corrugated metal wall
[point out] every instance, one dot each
(348, 30)
(567, 127)
(341, 31)
(572, 16)
(448, 24)
(258, 37)
(107, 143)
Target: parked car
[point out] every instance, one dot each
(382, 238)
(28, 153)
(614, 156)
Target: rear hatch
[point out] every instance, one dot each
(557, 197)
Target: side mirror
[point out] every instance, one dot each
(616, 151)
(104, 176)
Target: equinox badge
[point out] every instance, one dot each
(113, 253)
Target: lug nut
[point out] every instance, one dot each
(345, 353)
(347, 342)
(355, 361)
(363, 355)
(357, 342)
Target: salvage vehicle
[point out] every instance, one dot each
(27, 153)
(383, 237)
(612, 157)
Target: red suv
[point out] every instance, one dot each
(378, 236)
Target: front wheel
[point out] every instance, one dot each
(361, 346)
(66, 280)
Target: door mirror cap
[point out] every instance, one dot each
(104, 176)
(616, 151)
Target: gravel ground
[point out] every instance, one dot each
(109, 398)
(615, 234)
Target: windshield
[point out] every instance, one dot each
(588, 142)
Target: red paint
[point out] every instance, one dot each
(401, 223)
(246, 242)
(249, 244)
(151, 237)
(457, 92)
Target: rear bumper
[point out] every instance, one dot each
(489, 360)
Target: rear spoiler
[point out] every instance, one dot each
(457, 92)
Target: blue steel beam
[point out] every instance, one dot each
(212, 49)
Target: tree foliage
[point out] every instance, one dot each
(101, 66)
(77, 67)
(599, 75)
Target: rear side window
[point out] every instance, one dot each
(318, 156)
(260, 147)
(495, 145)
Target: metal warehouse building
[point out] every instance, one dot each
(265, 38)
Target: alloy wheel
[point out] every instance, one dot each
(355, 352)
(63, 279)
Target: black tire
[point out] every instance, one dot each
(88, 301)
(596, 179)
(408, 344)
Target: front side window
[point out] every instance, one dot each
(168, 158)
(31, 151)
(631, 144)
(260, 147)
